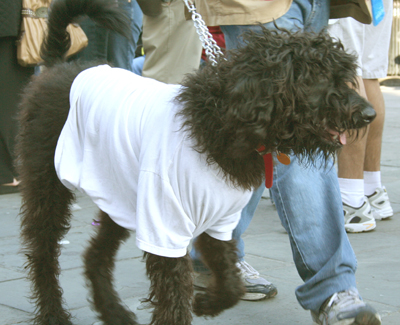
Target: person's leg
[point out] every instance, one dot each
(375, 63)
(121, 51)
(373, 188)
(308, 202)
(351, 175)
(245, 219)
(309, 205)
(374, 94)
(356, 207)
(10, 90)
(351, 157)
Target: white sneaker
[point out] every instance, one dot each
(346, 308)
(358, 219)
(257, 288)
(380, 204)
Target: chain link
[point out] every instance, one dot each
(213, 51)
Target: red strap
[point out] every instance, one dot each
(269, 170)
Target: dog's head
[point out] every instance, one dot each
(290, 92)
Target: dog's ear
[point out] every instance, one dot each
(249, 100)
(244, 85)
(248, 114)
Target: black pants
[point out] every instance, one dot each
(13, 78)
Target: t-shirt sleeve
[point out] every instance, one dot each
(163, 228)
(223, 228)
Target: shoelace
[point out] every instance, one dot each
(247, 270)
(343, 299)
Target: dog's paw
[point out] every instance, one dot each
(59, 317)
(126, 318)
(53, 321)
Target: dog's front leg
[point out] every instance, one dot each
(226, 287)
(171, 289)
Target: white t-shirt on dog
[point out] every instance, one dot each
(123, 146)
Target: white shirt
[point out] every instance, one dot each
(123, 146)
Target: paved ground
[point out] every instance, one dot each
(268, 250)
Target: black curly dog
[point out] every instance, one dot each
(291, 92)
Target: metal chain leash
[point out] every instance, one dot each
(213, 51)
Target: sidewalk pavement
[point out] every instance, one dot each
(267, 248)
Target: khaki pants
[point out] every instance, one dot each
(171, 44)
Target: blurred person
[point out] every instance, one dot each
(13, 77)
(364, 197)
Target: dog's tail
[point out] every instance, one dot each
(64, 12)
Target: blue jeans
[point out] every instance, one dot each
(108, 45)
(307, 199)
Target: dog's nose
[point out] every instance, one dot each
(368, 114)
(364, 117)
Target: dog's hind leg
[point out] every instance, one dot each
(171, 290)
(45, 219)
(99, 261)
(226, 287)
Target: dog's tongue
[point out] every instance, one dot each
(341, 136)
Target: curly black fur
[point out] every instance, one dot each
(45, 212)
(99, 265)
(172, 281)
(225, 288)
(284, 91)
(171, 289)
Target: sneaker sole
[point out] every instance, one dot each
(382, 214)
(344, 322)
(365, 318)
(363, 227)
(250, 296)
(254, 296)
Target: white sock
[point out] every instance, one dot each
(372, 180)
(352, 191)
